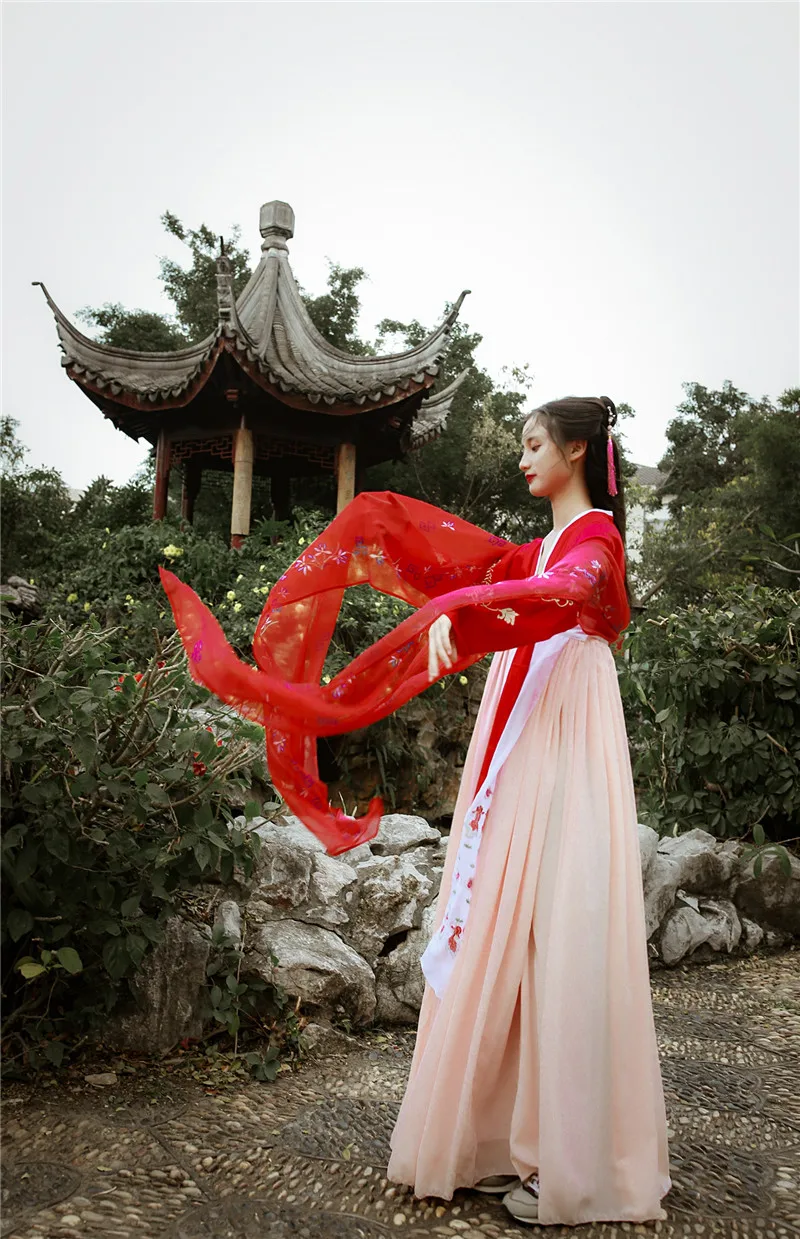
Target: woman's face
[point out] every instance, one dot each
(546, 467)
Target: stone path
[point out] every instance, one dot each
(305, 1156)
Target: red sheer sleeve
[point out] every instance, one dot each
(412, 551)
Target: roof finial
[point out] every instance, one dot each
(277, 225)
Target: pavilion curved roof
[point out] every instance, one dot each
(268, 330)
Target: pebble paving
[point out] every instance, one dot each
(304, 1157)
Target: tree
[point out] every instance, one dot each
(192, 291)
(708, 442)
(734, 464)
(35, 506)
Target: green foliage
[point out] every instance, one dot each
(241, 1003)
(712, 696)
(115, 800)
(143, 331)
(335, 313)
(733, 482)
(193, 290)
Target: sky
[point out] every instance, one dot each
(617, 183)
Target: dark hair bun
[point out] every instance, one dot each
(611, 411)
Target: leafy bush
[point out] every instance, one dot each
(712, 696)
(115, 801)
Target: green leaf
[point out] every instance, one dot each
(29, 971)
(115, 958)
(54, 1052)
(202, 854)
(157, 795)
(69, 958)
(57, 845)
(20, 922)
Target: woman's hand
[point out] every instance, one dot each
(441, 647)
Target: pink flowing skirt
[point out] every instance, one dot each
(541, 1055)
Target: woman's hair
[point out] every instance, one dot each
(590, 418)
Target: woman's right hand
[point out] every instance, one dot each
(441, 647)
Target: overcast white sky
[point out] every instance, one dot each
(616, 182)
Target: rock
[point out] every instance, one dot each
(166, 993)
(723, 920)
(773, 898)
(660, 886)
(324, 1039)
(648, 845)
(330, 879)
(399, 832)
(752, 935)
(314, 965)
(229, 919)
(102, 1078)
(399, 983)
(683, 931)
(704, 867)
(20, 596)
(392, 894)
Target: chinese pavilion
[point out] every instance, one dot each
(265, 393)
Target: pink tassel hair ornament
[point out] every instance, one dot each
(612, 472)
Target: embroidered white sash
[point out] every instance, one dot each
(439, 957)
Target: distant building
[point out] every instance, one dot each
(640, 517)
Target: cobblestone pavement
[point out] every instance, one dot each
(305, 1156)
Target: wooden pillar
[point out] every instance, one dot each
(242, 486)
(162, 477)
(191, 486)
(345, 474)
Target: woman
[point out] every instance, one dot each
(535, 1071)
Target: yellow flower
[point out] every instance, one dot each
(326, 679)
(231, 594)
(87, 606)
(462, 679)
(171, 552)
(72, 597)
(237, 606)
(301, 542)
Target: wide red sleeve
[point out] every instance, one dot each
(585, 588)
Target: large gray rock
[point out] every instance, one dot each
(648, 846)
(315, 966)
(399, 982)
(683, 931)
(660, 886)
(704, 868)
(723, 921)
(773, 898)
(392, 893)
(167, 992)
(398, 832)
